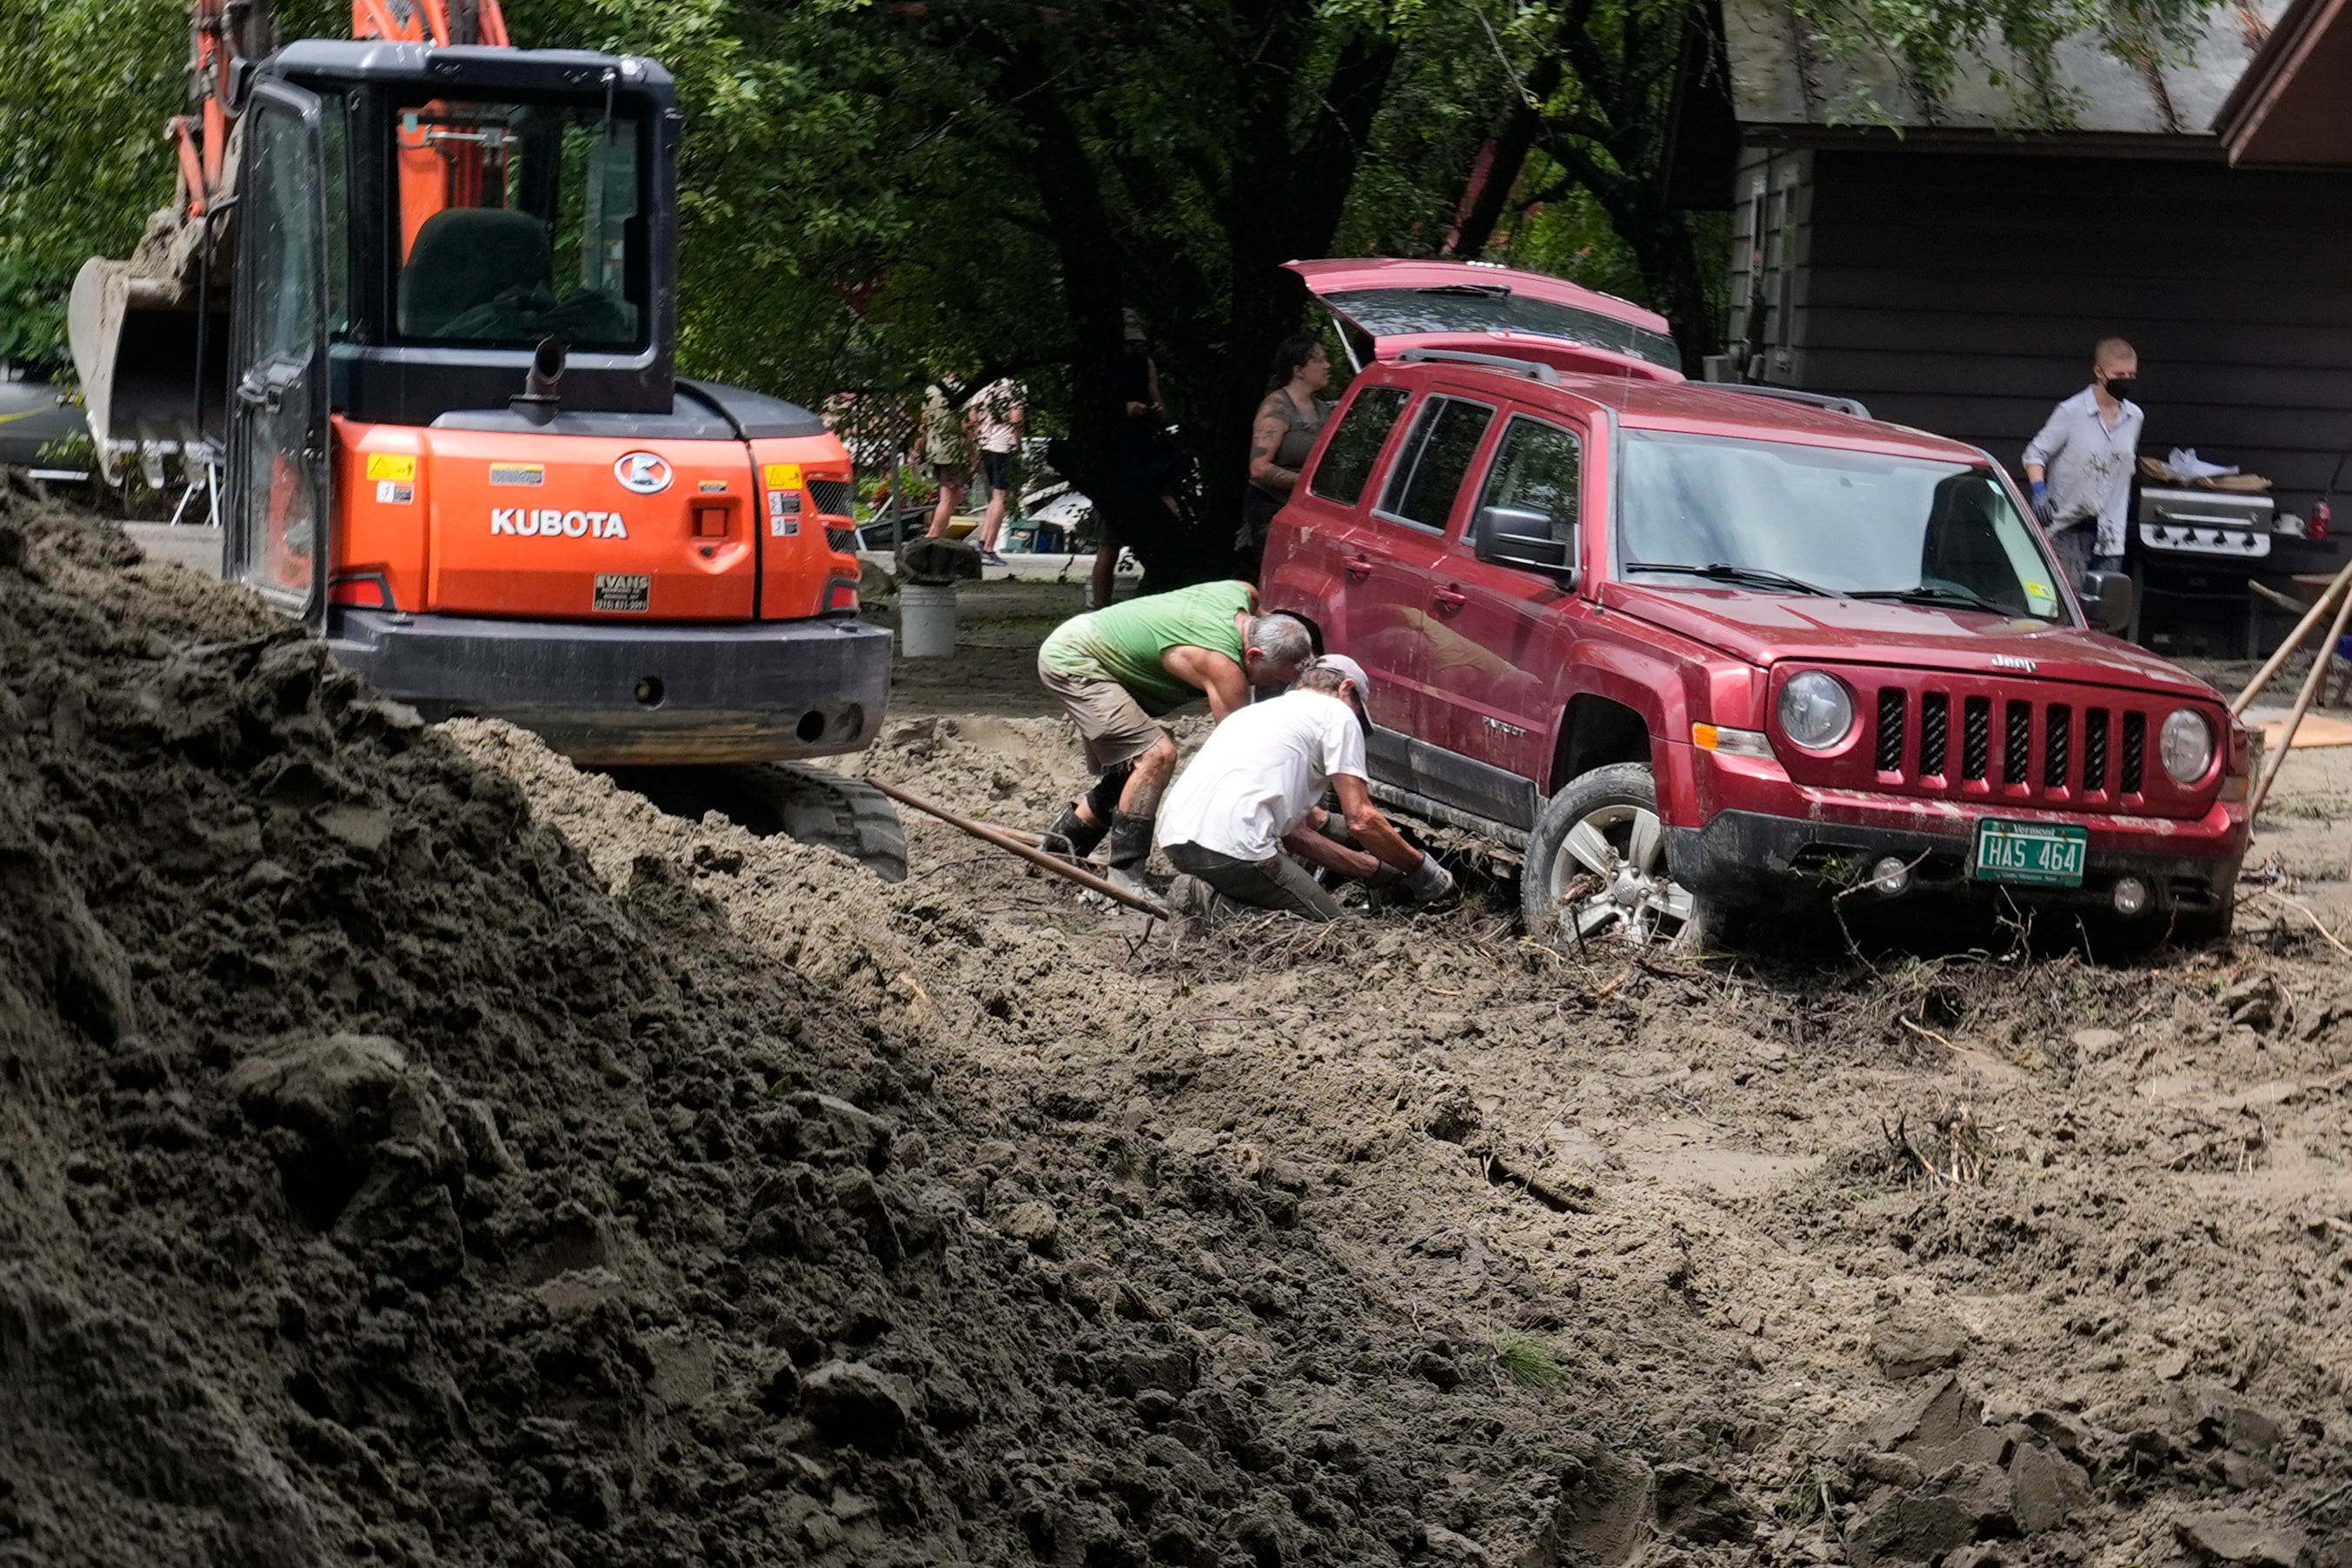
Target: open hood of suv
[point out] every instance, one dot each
(1487, 309)
(1765, 629)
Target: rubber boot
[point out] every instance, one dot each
(1073, 835)
(1130, 846)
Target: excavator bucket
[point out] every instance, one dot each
(132, 328)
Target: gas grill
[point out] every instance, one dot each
(2228, 525)
(2192, 551)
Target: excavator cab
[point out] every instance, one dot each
(417, 303)
(453, 438)
(413, 224)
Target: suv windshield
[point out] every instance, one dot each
(518, 222)
(1494, 308)
(1781, 518)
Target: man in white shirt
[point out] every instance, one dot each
(2081, 465)
(998, 416)
(1257, 788)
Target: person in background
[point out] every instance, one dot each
(1143, 458)
(2080, 465)
(944, 451)
(996, 417)
(1287, 422)
(1256, 789)
(1116, 669)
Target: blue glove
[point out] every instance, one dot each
(2041, 502)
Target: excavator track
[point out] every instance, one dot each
(808, 805)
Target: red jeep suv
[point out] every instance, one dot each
(1702, 651)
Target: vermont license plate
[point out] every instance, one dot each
(625, 591)
(2037, 854)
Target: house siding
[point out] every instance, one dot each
(1961, 292)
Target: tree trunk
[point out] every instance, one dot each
(1668, 253)
(1512, 141)
(1095, 458)
(1659, 235)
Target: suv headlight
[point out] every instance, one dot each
(1817, 711)
(2186, 745)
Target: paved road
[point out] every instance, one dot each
(197, 549)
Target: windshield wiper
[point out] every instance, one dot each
(1725, 572)
(1937, 593)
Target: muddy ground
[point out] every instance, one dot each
(418, 1151)
(1699, 1189)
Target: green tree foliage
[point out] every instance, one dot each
(88, 87)
(1592, 85)
(883, 193)
(1933, 41)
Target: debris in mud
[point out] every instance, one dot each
(1954, 1157)
(382, 1187)
(800, 1220)
(1913, 1340)
(2233, 1538)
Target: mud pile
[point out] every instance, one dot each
(376, 1185)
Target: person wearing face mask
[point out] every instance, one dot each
(2080, 465)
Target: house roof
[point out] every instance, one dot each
(1784, 78)
(2291, 107)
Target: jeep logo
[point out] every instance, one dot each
(2010, 661)
(647, 473)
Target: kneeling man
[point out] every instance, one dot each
(1256, 789)
(1114, 669)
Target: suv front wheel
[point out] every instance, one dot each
(1596, 869)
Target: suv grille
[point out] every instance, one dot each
(1935, 728)
(2057, 738)
(1890, 729)
(833, 498)
(2017, 742)
(2075, 740)
(1976, 736)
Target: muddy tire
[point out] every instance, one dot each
(1595, 870)
(808, 805)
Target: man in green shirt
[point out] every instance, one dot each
(1116, 669)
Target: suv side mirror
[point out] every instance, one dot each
(1512, 536)
(2108, 597)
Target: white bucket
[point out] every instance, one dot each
(927, 616)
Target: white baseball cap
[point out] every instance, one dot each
(1350, 669)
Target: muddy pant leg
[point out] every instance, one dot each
(1103, 799)
(2072, 545)
(1280, 883)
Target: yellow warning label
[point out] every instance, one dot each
(783, 476)
(392, 466)
(518, 473)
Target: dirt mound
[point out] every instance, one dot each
(414, 1150)
(377, 1185)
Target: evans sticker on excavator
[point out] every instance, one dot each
(418, 296)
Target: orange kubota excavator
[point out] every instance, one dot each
(416, 306)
